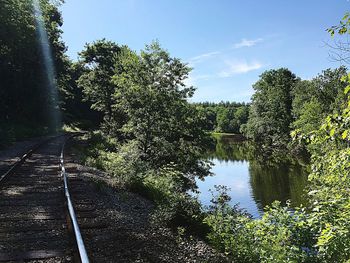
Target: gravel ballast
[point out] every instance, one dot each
(123, 230)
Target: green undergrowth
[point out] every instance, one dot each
(319, 233)
(279, 236)
(165, 186)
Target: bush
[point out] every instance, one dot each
(175, 207)
(166, 186)
(281, 235)
(228, 231)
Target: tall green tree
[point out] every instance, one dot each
(77, 110)
(224, 117)
(314, 99)
(271, 109)
(240, 118)
(100, 60)
(23, 95)
(154, 96)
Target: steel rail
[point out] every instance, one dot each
(79, 240)
(81, 247)
(25, 156)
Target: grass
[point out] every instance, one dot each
(224, 133)
(234, 136)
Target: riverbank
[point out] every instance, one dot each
(132, 234)
(227, 134)
(234, 136)
(225, 227)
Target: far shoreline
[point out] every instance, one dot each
(235, 136)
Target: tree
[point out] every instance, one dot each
(24, 96)
(329, 179)
(330, 89)
(271, 109)
(310, 117)
(240, 117)
(153, 94)
(314, 99)
(329, 182)
(100, 60)
(78, 111)
(209, 116)
(224, 116)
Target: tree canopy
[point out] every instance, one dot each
(24, 95)
(271, 110)
(224, 117)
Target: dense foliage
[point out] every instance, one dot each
(29, 85)
(100, 64)
(330, 184)
(314, 99)
(78, 112)
(320, 233)
(24, 95)
(224, 117)
(284, 103)
(144, 103)
(271, 110)
(151, 139)
(165, 126)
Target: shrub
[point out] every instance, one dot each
(281, 235)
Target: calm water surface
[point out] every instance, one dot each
(253, 183)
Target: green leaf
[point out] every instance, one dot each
(345, 134)
(347, 89)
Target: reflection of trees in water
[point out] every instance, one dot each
(280, 182)
(273, 175)
(227, 148)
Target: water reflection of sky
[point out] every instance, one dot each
(234, 175)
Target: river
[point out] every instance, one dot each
(253, 181)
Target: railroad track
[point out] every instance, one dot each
(38, 222)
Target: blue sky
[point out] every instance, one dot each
(229, 43)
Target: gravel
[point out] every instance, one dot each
(123, 230)
(13, 153)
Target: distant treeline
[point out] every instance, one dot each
(282, 105)
(226, 117)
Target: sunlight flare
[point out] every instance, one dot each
(49, 68)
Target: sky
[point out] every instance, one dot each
(228, 43)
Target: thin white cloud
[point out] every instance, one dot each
(201, 57)
(244, 43)
(247, 43)
(239, 67)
